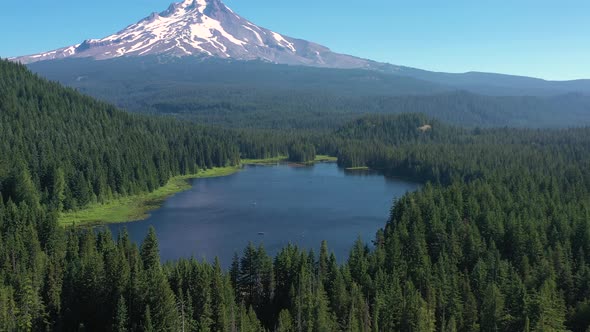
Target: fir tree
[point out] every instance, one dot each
(121, 318)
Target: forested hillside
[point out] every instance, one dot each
(498, 240)
(263, 95)
(63, 149)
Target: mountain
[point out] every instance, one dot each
(203, 28)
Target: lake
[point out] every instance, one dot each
(273, 205)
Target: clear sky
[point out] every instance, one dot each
(541, 38)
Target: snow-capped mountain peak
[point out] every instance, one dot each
(203, 28)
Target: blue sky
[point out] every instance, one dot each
(540, 38)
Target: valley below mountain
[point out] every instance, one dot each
(263, 95)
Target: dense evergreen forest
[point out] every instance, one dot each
(497, 240)
(262, 95)
(62, 149)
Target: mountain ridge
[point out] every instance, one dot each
(203, 28)
(210, 29)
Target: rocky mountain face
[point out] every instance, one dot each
(203, 28)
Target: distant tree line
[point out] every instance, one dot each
(256, 94)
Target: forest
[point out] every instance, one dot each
(498, 239)
(259, 95)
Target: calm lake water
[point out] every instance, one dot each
(286, 204)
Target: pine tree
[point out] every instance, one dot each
(323, 318)
(58, 191)
(451, 325)
(150, 252)
(549, 309)
(492, 311)
(285, 322)
(147, 321)
(425, 318)
(25, 190)
(121, 318)
(160, 297)
(8, 309)
(323, 264)
(470, 309)
(30, 306)
(218, 300)
(234, 271)
(248, 280)
(205, 319)
(358, 262)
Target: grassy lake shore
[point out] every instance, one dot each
(137, 207)
(266, 161)
(323, 158)
(359, 168)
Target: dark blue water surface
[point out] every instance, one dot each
(273, 205)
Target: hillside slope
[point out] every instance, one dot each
(249, 93)
(74, 150)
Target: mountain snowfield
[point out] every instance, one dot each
(203, 28)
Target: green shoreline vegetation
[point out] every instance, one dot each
(137, 207)
(265, 161)
(323, 159)
(358, 168)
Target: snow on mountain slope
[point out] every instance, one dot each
(203, 28)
